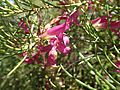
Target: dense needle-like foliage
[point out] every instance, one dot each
(59, 44)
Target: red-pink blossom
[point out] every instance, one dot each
(66, 40)
(31, 59)
(118, 65)
(115, 27)
(24, 26)
(103, 23)
(52, 56)
(58, 19)
(90, 5)
(74, 17)
(61, 44)
(57, 29)
(61, 28)
(115, 24)
(42, 48)
(100, 22)
(35, 57)
(63, 49)
(28, 60)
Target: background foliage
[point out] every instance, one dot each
(89, 65)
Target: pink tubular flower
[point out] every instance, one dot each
(66, 40)
(115, 27)
(57, 20)
(34, 58)
(57, 45)
(115, 24)
(52, 56)
(74, 17)
(61, 44)
(28, 60)
(24, 26)
(63, 49)
(56, 30)
(118, 65)
(61, 28)
(102, 23)
(56, 37)
(42, 49)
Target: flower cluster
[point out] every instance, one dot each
(57, 41)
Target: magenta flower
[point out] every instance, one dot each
(56, 30)
(28, 60)
(42, 49)
(56, 44)
(118, 65)
(63, 49)
(58, 19)
(115, 24)
(74, 17)
(34, 58)
(115, 27)
(24, 26)
(61, 28)
(61, 44)
(52, 56)
(102, 23)
(66, 40)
